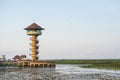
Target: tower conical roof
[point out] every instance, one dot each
(34, 26)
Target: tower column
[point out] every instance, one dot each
(34, 49)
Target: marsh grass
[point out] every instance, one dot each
(113, 64)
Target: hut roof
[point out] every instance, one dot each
(34, 26)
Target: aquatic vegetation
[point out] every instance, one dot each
(2, 64)
(106, 64)
(61, 72)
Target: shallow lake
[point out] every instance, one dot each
(61, 72)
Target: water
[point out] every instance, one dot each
(61, 72)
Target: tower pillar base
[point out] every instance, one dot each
(28, 63)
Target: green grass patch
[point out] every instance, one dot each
(5, 65)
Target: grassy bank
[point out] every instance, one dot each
(104, 64)
(6, 65)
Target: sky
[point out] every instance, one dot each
(74, 29)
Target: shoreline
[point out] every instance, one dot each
(111, 64)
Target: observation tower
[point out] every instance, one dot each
(34, 31)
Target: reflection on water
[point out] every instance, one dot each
(61, 72)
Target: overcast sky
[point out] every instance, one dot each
(74, 29)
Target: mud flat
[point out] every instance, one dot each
(61, 72)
